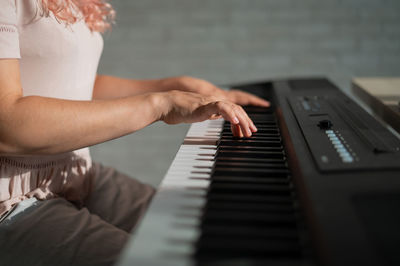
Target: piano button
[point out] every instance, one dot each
(339, 146)
(344, 154)
(334, 138)
(348, 159)
(341, 150)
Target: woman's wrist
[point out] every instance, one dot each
(183, 83)
(168, 84)
(159, 104)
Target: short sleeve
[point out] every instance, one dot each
(9, 38)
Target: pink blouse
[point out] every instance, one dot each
(55, 61)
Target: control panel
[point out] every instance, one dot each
(343, 149)
(341, 137)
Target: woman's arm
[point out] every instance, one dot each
(109, 87)
(39, 125)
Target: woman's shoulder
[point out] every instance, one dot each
(18, 12)
(26, 11)
(9, 43)
(8, 12)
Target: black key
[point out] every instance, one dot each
(259, 125)
(260, 143)
(230, 134)
(255, 165)
(254, 138)
(243, 218)
(249, 160)
(250, 212)
(249, 172)
(249, 148)
(246, 207)
(264, 116)
(211, 247)
(249, 188)
(258, 109)
(259, 130)
(259, 198)
(262, 231)
(250, 154)
(250, 180)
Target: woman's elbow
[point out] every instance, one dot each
(12, 143)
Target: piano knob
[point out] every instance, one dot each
(325, 124)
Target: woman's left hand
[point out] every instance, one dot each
(204, 87)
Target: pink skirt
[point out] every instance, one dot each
(66, 175)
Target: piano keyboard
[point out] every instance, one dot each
(231, 202)
(222, 200)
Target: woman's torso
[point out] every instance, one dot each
(56, 61)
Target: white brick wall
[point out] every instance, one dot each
(237, 40)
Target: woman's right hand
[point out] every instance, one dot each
(186, 107)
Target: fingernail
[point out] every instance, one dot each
(249, 131)
(236, 120)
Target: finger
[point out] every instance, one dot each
(236, 131)
(221, 109)
(250, 99)
(244, 98)
(257, 101)
(240, 118)
(243, 121)
(233, 113)
(230, 113)
(252, 127)
(215, 116)
(205, 112)
(236, 115)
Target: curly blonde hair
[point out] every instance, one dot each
(97, 14)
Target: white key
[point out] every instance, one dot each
(167, 230)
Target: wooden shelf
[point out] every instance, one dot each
(382, 95)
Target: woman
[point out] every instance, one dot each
(58, 207)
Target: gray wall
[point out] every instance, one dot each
(228, 41)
